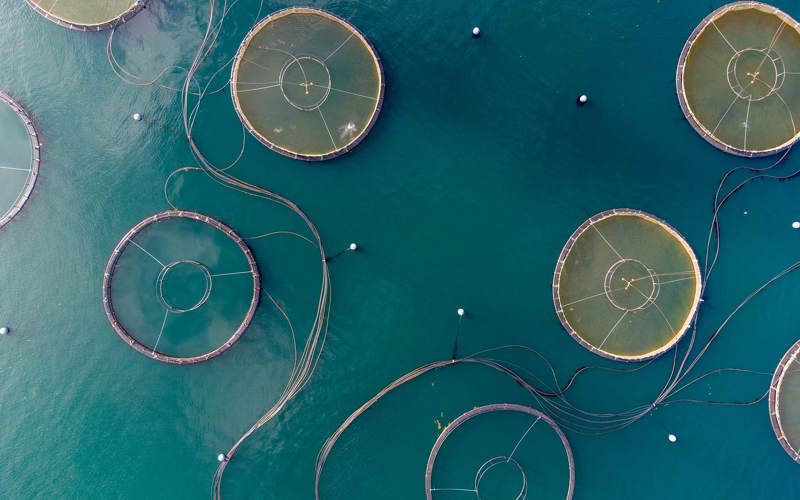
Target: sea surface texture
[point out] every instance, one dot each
(478, 169)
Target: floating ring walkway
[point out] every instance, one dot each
(738, 78)
(81, 15)
(35, 159)
(627, 285)
(307, 84)
(783, 408)
(170, 308)
(492, 462)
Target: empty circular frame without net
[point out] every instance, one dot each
(738, 79)
(784, 402)
(181, 287)
(88, 15)
(627, 285)
(20, 150)
(500, 460)
(307, 84)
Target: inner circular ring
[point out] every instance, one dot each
(306, 84)
(493, 462)
(206, 293)
(755, 78)
(610, 285)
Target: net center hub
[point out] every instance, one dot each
(501, 478)
(630, 285)
(184, 286)
(305, 82)
(755, 74)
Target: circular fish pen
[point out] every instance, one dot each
(784, 402)
(738, 79)
(491, 472)
(88, 15)
(627, 285)
(181, 287)
(20, 156)
(307, 84)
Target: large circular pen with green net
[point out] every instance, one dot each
(88, 15)
(307, 84)
(627, 285)
(738, 79)
(784, 402)
(181, 287)
(19, 157)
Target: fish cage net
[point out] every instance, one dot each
(88, 15)
(181, 287)
(307, 84)
(627, 285)
(784, 402)
(19, 157)
(520, 449)
(738, 79)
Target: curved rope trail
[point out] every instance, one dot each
(304, 364)
(309, 357)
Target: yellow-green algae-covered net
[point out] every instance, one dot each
(307, 84)
(627, 285)
(19, 157)
(784, 402)
(88, 15)
(738, 79)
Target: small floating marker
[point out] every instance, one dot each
(476, 32)
(4, 330)
(461, 311)
(672, 438)
(353, 247)
(583, 99)
(137, 117)
(221, 457)
(796, 224)
(745, 212)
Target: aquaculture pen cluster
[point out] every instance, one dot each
(627, 283)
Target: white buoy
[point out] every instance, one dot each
(672, 438)
(745, 212)
(583, 99)
(476, 32)
(353, 247)
(221, 457)
(4, 330)
(461, 311)
(137, 117)
(796, 224)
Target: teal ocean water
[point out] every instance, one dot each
(478, 169)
